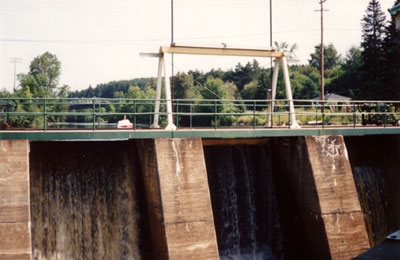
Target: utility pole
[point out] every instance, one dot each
(172, 44)
(270, 36)
(322, 48)
(15, 61)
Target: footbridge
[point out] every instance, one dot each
(96, 118)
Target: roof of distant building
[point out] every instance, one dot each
(332, 96)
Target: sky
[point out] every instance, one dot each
(98, 41)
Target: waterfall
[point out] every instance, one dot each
(375, 165)
(85, 202)
(244, 202)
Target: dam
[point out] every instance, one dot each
(288, 197)
(301, 179)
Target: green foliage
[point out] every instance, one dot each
(373, 66)
(42, 78)
(184, 87)
(349, 80)
(331, 58)
(243, 75)
(107, 90)
(391, 45)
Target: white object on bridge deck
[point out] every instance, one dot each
(125, 123)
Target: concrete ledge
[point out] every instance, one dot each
(15, 256)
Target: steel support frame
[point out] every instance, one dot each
(288, 88)
(279, 59)
(171, 126)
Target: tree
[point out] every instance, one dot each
(373, 67)
(331, 57)
(349, 82)
(184, 87)
(43, 75)
(391, 45)
(243, 75)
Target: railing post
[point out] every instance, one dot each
(44, 116)
(254, 114)
(94, 113)
(177, 113)
(384, 115)
(6, 116)
(289, 121)
(134, 114)
(215, 114)
(316, 115)
(323, 114)
(279, 115)
(191, 115)
(354, 116)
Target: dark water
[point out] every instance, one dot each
(87, 201)
(244, 202)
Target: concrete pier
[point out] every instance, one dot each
(319, 172)
(15, 228)
(339, 206)
(179, 199)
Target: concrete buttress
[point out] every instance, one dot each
(15, 233)
(178, 196)
(339, 206)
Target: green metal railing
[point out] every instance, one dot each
(96, 113)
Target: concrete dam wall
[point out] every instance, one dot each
(312, 197)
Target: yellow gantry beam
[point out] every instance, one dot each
(221, 51)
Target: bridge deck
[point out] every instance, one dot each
(125, 134)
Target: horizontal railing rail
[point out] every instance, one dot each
(99, 113)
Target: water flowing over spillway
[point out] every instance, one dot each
(86, 202)
(244, 203)
(375, 166)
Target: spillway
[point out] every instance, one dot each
(375, 164)
(255, 213)
(87, 201)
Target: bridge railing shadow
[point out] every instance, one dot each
(98, 113)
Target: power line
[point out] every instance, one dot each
(15, 61)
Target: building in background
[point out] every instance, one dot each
(395, 11)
